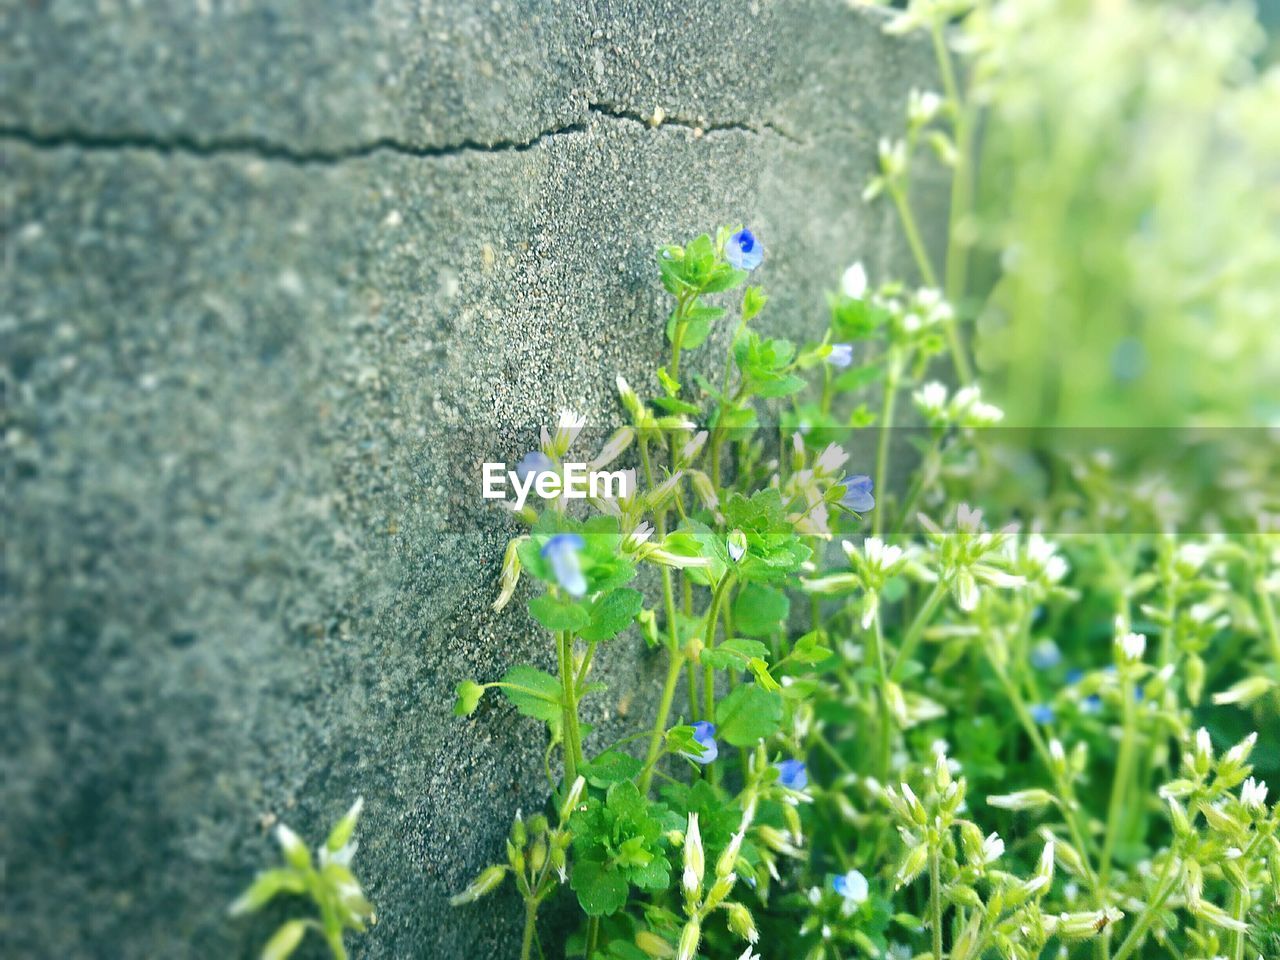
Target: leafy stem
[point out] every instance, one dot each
(573, 758)
(893, 373)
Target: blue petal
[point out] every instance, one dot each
(744, 251)
(704, 736)
(1042, 714)
(792, 774)
(535, 461)
(561, 551)
(858, 493)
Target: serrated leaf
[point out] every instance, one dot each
(601, 891)
(558, 614)
(748, 714)
(612, 766)
(611, 613)
(760, 611)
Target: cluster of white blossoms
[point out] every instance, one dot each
(965, 409)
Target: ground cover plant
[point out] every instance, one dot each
(1021, 703)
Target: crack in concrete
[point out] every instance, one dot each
(265, 149)
(697, 126)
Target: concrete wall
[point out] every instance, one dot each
(279, 276)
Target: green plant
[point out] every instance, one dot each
(325, 879)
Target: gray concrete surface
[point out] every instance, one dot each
(279, 277)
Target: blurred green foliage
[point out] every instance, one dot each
(1125, 237)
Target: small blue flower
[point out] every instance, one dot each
(792, 774)
(535, 461)
(1045, 655)
(704, 735)
(841, 355)
(1091, 704)
(852, 886)
(744, 251)
(1042, 714)
(561, 551)
(1075, 675)
(857, 493)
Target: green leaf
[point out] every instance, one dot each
(285, 940)
(748, 714)
(558, 614)
(341, 833)
(672, 405)
(760, 670)
(612, 766)
(724, 277)
(733, 654)
(469, 693)
(601, 891)
(265, 887)
(533, 692)
(611, 613)
(760, 611)
(809, 649)
(858, 377)
(753, 301)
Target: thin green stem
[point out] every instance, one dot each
(912, 232)
(569, 710)
(935, 901)
(892, 375)
(885, 726)
(1139, 929)
(709, 643)
(660, 724)
(530, 925)
(915, 632)
(1120, 785)
(585, 667)
(1071, 807)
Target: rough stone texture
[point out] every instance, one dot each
(279, 277)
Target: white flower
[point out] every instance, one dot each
(922, 107)
(693, 447)
(1132, 646)
(567, 429)
(854, 282)
(637, 537)
(931, 399)
(1204, 744)
(992, 848)
(1253, 794)
(830, 460)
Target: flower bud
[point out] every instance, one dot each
(488, 879)
(1203, 757)
(912, 864)
(689, 938)
(742, 923)
(572, 798)
(694, 862)
(1032, 799)
(654, 946)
